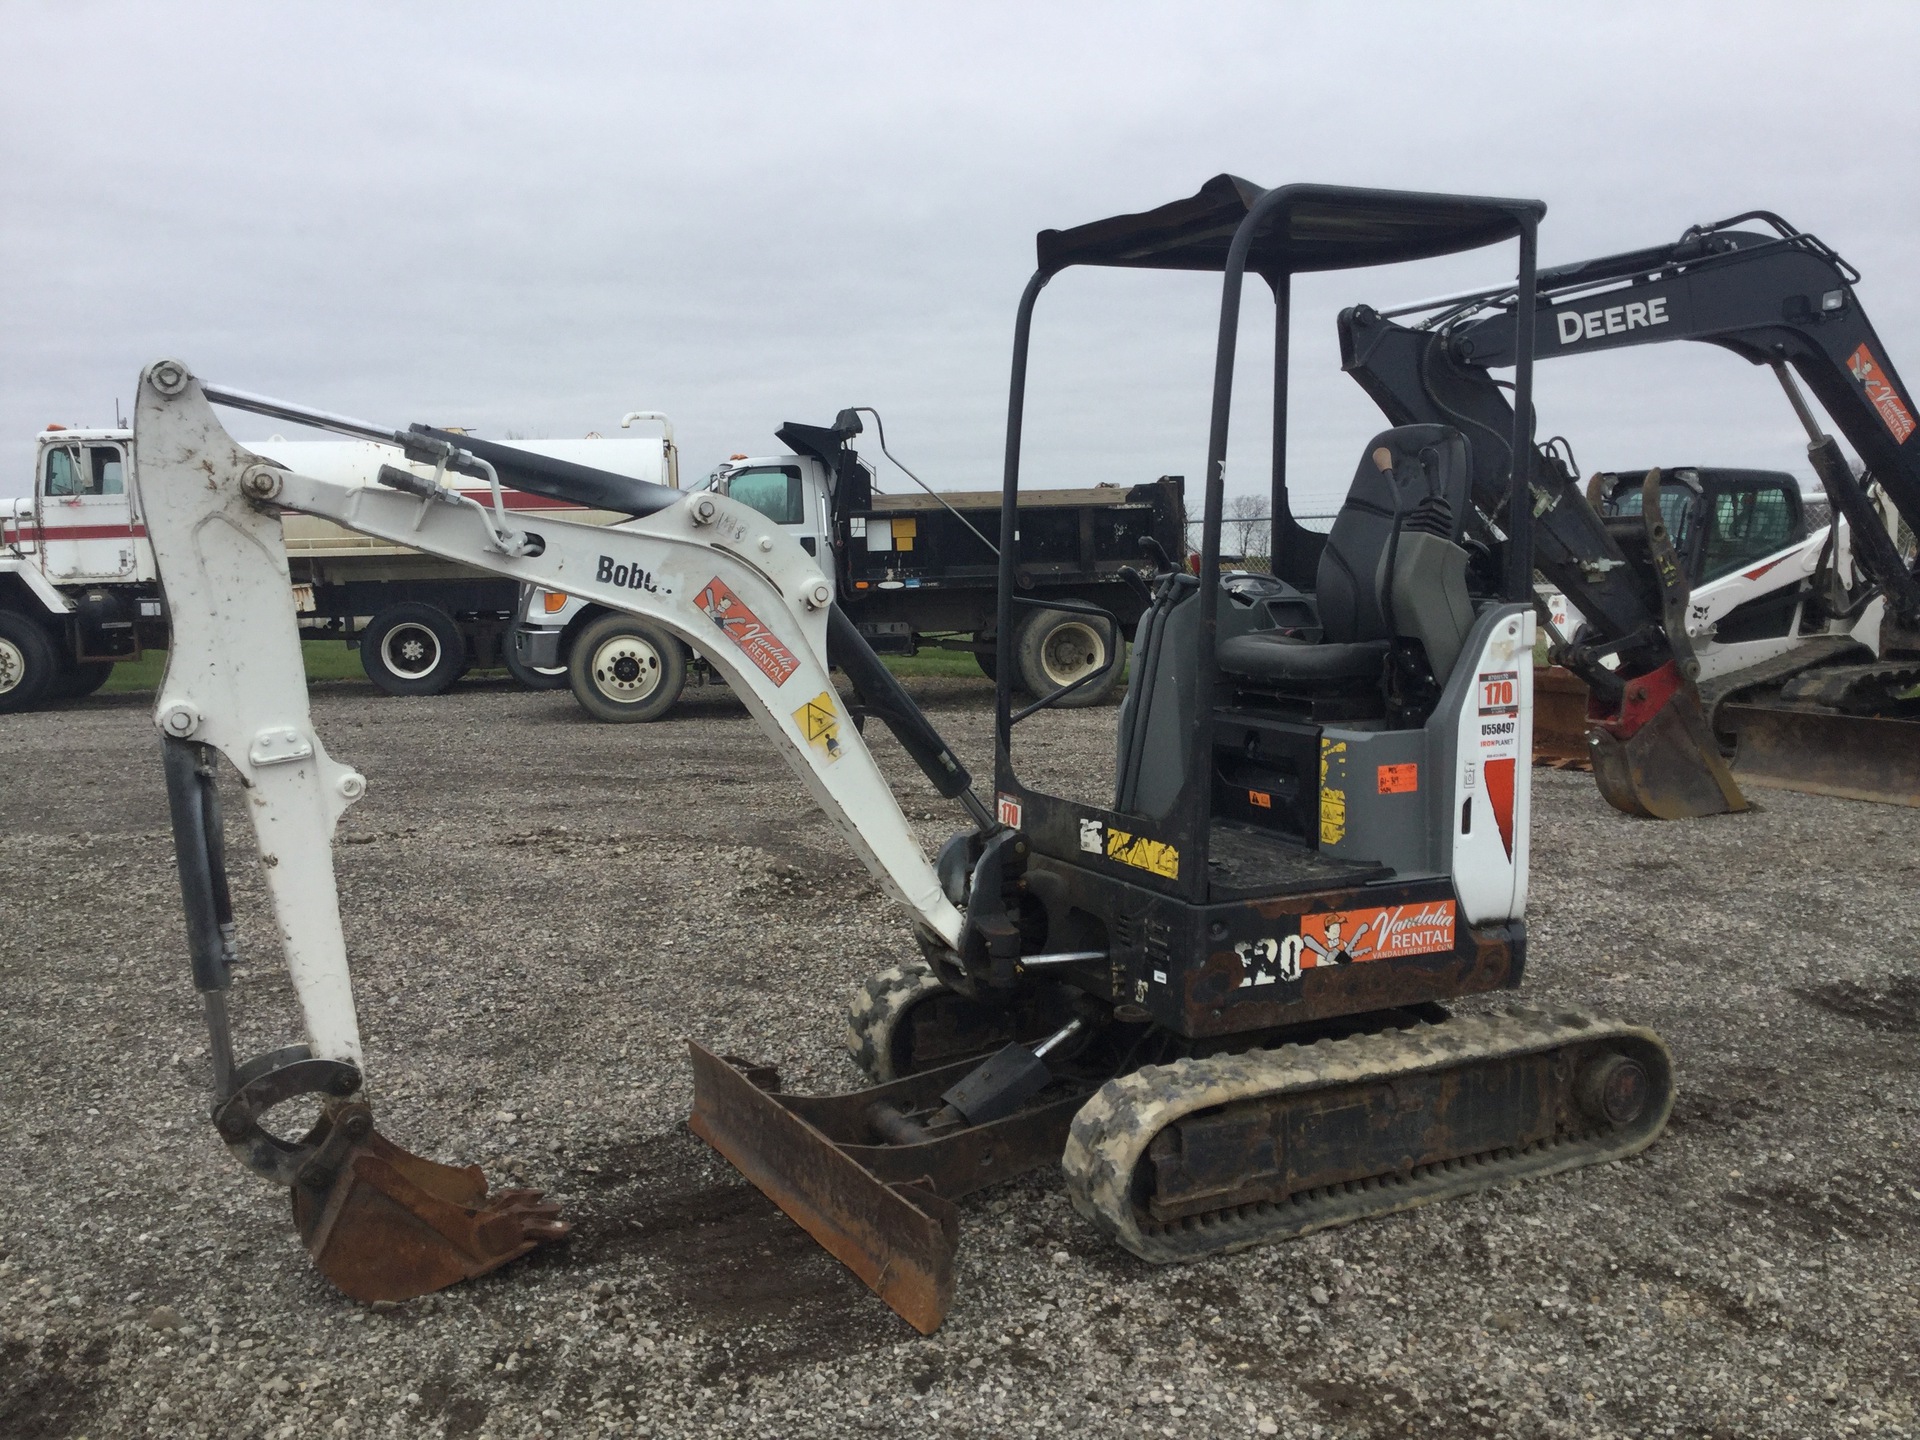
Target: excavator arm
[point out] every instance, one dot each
(1784, 300)
(381, 1223)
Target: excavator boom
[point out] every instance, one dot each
(1784, 300)
(383, 1224)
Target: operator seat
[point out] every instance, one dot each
(1421, 492)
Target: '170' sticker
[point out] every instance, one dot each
(743, 627)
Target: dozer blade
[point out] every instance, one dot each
(1823, 752)
(392, 1226)
(1668, 769)
(900, 1238)
(1560, 720)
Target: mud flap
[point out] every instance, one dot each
(392, 1226)
(899, 1238)
(1821, 752)
(1668, 769)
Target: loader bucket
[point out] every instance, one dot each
(1822, 752)
(392, 1226)
(1670, 768)
(1560, 720)
(900, 1238)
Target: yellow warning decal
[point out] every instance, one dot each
(819, 722)
(1156, 857)
(1333, 797)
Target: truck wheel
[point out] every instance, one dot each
(77, 681)
(27, 663)
(1056, 648)
(413, 649)
(623, 670)
(987, 660)
(528, 675)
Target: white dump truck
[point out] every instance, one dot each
(79, 592)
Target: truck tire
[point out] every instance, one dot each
(28, 664)
(988, 660)
(78, 681)
(413, 649)
(1056, 648)
(625, 671)
(528, 675)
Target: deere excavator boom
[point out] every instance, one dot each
(1784, 300)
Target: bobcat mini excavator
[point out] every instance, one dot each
(1219, 1002)
(1801, 663)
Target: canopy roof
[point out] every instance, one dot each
(1318, 227)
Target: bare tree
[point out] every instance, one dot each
(1247, 525)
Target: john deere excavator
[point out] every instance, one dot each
(1796, 669)
(1219, 1001)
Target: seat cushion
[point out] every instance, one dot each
(1276, 659)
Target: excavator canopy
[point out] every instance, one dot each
(1321, 227)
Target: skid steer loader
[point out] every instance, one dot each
(1218, 1002)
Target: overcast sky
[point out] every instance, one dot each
(532, 218)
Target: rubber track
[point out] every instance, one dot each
(1111, 1133)
(877, 1008)
(1817, 651)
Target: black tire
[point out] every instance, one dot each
(78, 681)
(625, 671)
(1057, 647)
(988, 660)
(527, 675)
(413, 649)
(28, 663)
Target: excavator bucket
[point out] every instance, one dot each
(1818, 752)
(392, 1226)
(1670, 768)
(899, 1237)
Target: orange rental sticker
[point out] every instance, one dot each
(1260, 799)
(743, 627)
(1399, 779)
(1881, 394)
(1346, 937)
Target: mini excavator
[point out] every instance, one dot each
(1219, 1002)
(1798, 669)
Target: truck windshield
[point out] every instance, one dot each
(773, 491)
(63, 471)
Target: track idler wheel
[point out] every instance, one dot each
(1667, 766)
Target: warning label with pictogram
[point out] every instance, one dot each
(819, 723)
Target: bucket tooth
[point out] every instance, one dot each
(392, 1226)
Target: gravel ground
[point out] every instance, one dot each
(540, 908)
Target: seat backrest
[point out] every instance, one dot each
(1426, 461)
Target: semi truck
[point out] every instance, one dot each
(79, 592)
(912, 570)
